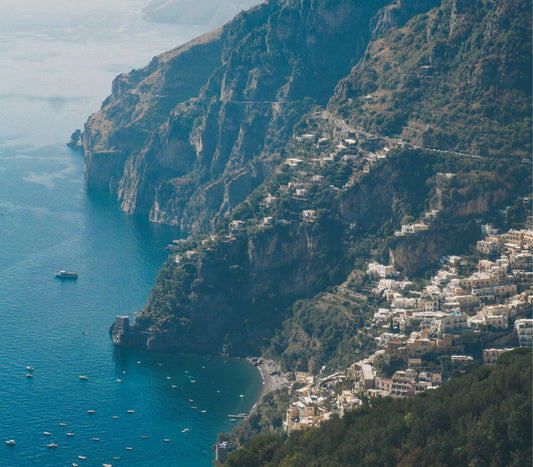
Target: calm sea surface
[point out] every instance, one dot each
(57, 62)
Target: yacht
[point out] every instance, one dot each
(66, 275)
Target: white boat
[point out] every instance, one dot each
(29, 368)
(47, 433)
(66, 275)
(29, 375)
(70, 434)
(51, 445)
(84, 378)
(10, 442)
(131, 411)
(91, 411)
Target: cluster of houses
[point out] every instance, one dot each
(497, 299)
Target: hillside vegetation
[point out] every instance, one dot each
(479, 419)
(457, 77)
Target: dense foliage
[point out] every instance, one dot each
(479, 419)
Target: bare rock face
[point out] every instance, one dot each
(187, 138)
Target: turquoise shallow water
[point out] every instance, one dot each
(49, 222)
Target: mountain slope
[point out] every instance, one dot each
(481, 418)
(458, 77)
(251, 138)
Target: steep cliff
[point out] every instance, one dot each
(186, 139)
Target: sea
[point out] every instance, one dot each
(57, 62)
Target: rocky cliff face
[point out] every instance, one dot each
(187, 138)
(413, 254)
(233, 293)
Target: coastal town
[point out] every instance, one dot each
(419, 326)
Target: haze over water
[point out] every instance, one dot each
(58, 59)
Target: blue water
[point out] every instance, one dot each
(48, 222)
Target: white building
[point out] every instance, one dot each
(524, 329)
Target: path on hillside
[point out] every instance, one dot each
(327, 115)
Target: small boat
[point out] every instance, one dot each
(115, 417)
(203, 411)
(29, 375)
(29, 368)
(70, 434)
(119, 381)
(144, 437)
(166, 440)
(51, 445)
(84, 378)
(47, 433)
(185, 430)
(62, 424)
(10, 442)
(128, 448)
(66, 275)
(131, 411)
(82, 458)
(91, 411)
(95, 439)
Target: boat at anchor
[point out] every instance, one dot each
(66, 275)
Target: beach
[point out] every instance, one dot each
(271, 376)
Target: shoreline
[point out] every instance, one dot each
(271, 378)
